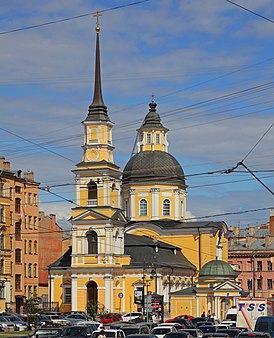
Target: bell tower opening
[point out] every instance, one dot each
(92, 194)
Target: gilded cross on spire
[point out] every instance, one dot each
(97, 21)
(152, 97)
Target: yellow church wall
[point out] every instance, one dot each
(183, 305)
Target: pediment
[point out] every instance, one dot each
(119, 216)
(89, 215)
(227, 286)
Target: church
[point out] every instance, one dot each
(130, 238)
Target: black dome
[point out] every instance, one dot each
(153, 166)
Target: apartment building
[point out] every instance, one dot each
(21, 193)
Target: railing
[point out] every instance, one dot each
(92, 202)
(50, 306)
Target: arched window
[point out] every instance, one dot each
(30, 247)
(35, 247)
(166, 207)
(92, 194)
(92, 242)
(143, 208)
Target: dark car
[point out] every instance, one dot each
(195, 320)
(231, 332)
(198, 324)
(178, 335)
(207, 328)
(46, 332)
(78, 331)
(139, 335)
(216, 334)
(186, 322)
(196, 333)
(254, 334)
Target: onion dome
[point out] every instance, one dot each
(152, 119)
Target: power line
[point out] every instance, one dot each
(250, 11)
(72, 17)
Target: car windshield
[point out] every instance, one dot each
(159, 330)
(76, 331)
(48, 332)
(13, 319)
(130, 330)
(3, 319)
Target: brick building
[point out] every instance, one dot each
(251, 251)
(50, 249)
(21, 195)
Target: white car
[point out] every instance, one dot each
(109, 333)
(132, 316)
(160, 331)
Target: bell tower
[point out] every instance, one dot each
(97, 176)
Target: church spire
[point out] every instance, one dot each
(97, 110)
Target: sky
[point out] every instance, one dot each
(209, 63)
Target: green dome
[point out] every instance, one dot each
(217, 269)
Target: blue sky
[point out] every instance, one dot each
(187, 53)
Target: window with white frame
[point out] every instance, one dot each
(143, 208)
(166, 207)
(67, 294)
(2, 214)
(148, 138)
(157, 138)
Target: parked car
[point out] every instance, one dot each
(19, 324)
(132, 317)
(76, 317)
(231, 332)
(140, 335)
(196, 333)
(46, 332)
(254, 334)
(98, 325)
(108, 318)
(161, 331)
(178, 335)
(111, 333)
(176, 325)
(58, 320)
(207, 328)
(195, 320)
(265, 324)
(5, 325)
(135, 329)
(84, 331)
(198, 324)
(43, 320)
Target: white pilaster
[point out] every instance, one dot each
(177, 204)
(108, 292)
(132, 204)
(155, 202)
(7, 293)
(74, 293)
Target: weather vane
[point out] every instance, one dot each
(97, 21)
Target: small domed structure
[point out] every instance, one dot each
(153, 166)
(217, 270)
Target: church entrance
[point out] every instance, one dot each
(92, 294)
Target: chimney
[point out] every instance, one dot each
(268, 240)
(53, 217)
(2, 160)
(271, 222)
(249, 240)
(29, 176)
(251, 231)
(6, 165)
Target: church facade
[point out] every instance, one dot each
(129, 233)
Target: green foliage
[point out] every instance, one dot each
(92, 309)
(31, 305)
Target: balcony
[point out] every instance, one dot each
(92, 202)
